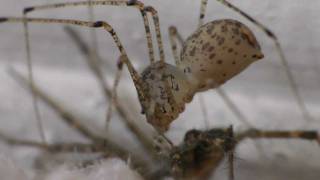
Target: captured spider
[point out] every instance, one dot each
(213, 54)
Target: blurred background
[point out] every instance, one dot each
(261, 92)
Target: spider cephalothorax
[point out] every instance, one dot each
(168, 90)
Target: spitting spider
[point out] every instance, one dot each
(212, 55)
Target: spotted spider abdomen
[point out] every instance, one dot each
(168, 90)
(218, 51)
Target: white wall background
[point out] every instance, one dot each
(261, 91)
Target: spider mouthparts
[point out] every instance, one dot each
(260, 56)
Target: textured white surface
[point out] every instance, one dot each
(261, 91)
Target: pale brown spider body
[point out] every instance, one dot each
(213, 54)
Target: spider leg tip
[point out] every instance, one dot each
(3, 19)
(98, 24)
(28, 9)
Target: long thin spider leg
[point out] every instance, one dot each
(203, 8)
(93, 63)
(231, 105)
(221, 92)
(129, 122)
(31, 78)
(292, 83)
(67, 116)
(297, 134)
(106, 148)
(70, 119)
(98, 24)
(201, 99)
(204, 110)
(113, 95)
(134, 3)
(235, 110)
(55, 148)
(156, 22)
(12, 141)
(173, 36)
(131, 3)
(93, 34)
(230, 152)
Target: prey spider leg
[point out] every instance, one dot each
(279, 134)
(200, 153)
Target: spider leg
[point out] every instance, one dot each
(124, 59)
(55, 148)
(221, 92)
(99, 144)
(132, 3)
(292, 82)
(30, 76)
(104, 148)
(231, 105)
(203, 8)
(98, 24)
(295, 134)
(230, 152)
(96, 70)
(114, 100)
(174, 36)
(93, 33)
(70, 119)
(129, 3)
(67, 116)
